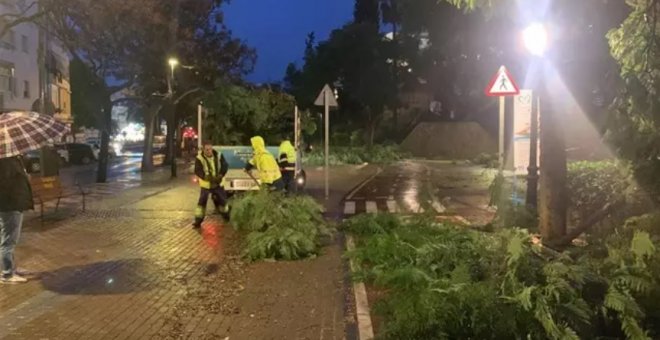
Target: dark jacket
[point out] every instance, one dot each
(15, 190)
(219, 164)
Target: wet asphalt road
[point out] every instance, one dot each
(420, 186)
(122, 168)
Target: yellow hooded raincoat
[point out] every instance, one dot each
(269, 170)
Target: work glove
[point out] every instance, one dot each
(208, 178)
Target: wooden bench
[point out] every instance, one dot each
(45, 189)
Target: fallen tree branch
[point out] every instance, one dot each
(585, 225)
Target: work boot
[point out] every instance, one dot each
(14, 279)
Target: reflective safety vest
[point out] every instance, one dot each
(210, 169)
(290, 152)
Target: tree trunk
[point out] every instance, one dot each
(553, 192)
(102, 172)
(171, 130)
(371, 133)
(149, 129)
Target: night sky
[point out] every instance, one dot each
(278, 28)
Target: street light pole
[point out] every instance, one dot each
(173, 62)
(200, 109)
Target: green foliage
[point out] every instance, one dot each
(446, 282)
(509, 213)
(238, 113)
(277, 226)
(634, 120)
(379, 154)
(489, 161)
(87, 96)
(594, 184)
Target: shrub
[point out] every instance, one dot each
(277, 226)
(356, 155)
(487, 160)
(446, 282)
(594, 184)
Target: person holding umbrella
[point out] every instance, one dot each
(20, 132)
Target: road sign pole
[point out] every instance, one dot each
(502, 128)
(296, 126)
(327, 144)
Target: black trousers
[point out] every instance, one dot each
(289, 179)
(219, 197)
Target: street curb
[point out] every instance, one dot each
(362, 310)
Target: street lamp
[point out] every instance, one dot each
(535, 38)
(173, 62)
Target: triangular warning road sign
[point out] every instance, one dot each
(320, 100)
(502, 84)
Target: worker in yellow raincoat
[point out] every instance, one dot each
(287, 160)
(265, 163)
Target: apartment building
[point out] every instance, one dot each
(19, 71)
(22, 69)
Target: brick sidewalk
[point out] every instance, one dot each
(114, 273)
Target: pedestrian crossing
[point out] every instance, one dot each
(357, 207)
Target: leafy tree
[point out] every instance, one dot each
(90, 31)
(635, 117)
(194, 33)
(86, 96)
(240, 112)
(367, 85)
(366, 11)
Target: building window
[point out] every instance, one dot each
(8, 41)
(26, 89)
(6, 78)
(24, 43)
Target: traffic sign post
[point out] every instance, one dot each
(502, 85)
(327, 99)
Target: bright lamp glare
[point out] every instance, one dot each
(535, 38)
(173, 62)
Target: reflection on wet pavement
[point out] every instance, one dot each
(100, 278)
(432, 187)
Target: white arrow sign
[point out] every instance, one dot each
(502, 84)
(320, 100)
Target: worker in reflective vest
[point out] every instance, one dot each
(210, 168)
(265, 163)
(287, 160)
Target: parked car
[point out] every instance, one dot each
(80, 153)
(32, 159)
(96, 148)
(63, 152)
